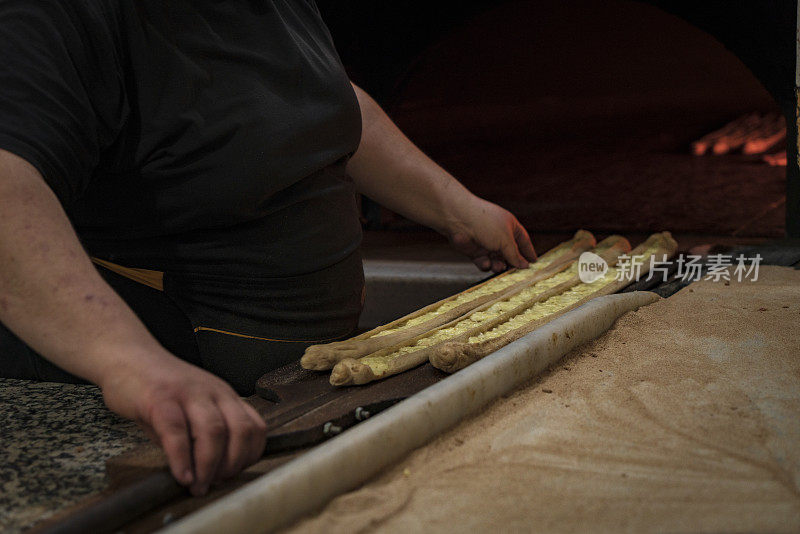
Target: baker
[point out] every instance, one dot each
(178, 211)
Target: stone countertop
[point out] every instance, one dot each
(54, 441)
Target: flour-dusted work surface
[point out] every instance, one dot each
(54, 441)
(684, 417)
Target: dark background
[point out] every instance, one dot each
(580, 113)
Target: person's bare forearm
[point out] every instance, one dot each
(390, 169)
(50, 294)
(53, 299)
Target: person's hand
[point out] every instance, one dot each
(207, 431)
(491, 236)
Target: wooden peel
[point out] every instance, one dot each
(324, 357)
(457, 354)
(394, 359)
(299, 408)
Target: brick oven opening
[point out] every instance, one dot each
(573, 114)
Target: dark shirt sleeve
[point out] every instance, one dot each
(61, 96)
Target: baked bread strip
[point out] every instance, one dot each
(453, 356)
(409, 354)
(323, 357)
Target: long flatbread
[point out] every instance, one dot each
(456, 355)
(416, 351)
(323, 357)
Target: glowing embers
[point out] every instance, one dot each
(752, 134)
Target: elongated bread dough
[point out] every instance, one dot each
(415, 351)
(322, 357)
(457, 354)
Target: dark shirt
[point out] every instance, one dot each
(203, 138)
(186, 135)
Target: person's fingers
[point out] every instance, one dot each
(168, 422)
(511, 255)
(483, 263)
(149, 432)
(466, 245)
(471, 248)
(498, 266)
(244, 437)
(524, 243)
(261, 429)
(236, 449)
(210, 434)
